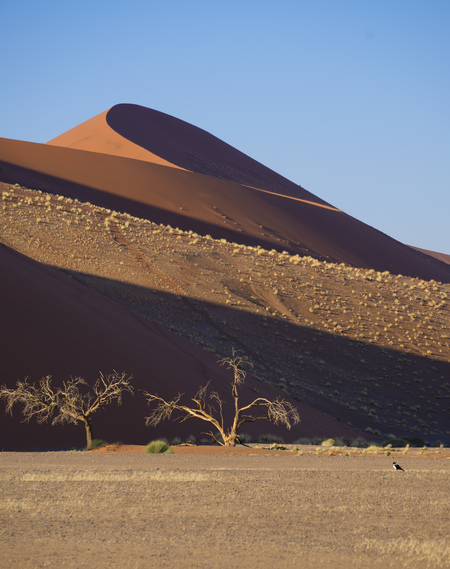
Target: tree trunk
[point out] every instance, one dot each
(230, 440)
(88, 426)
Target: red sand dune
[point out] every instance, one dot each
(153, 166)
(97, 136)
(268, 210)
(441, 256)
(137, 132)
(55, 326)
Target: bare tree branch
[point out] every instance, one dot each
(236, 363)
(282, 412)
(210, 409)
(39, 402)
(74, 402)
(163, 409)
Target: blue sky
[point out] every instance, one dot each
(348, 98)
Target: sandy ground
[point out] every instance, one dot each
(74, 509)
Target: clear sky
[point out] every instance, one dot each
(348, 98)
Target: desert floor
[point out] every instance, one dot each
(79, 509)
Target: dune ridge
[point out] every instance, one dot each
(211, 205)
(138, 132)
(96, 135)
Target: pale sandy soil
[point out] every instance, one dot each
(73, 509)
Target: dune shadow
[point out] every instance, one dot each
(194, 149)
(356, 382)
(360, 385)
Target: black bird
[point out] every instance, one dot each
(397, 466)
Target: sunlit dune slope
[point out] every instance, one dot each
(207, 204)
(60, 327)
(96, 135)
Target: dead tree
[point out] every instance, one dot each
(208, 406)
(76, 401)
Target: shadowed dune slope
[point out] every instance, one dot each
(206, 204)
(145, 134)
(54, 325)
(441, 256)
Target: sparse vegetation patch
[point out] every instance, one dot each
(334, 336)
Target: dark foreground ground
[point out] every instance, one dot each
(73, 509)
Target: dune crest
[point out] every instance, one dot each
(133, 131)
(209, 205)
(95, 135)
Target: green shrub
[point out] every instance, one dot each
(96, 443)
(158, 447)
(414, 441)
(359, 443)
(328, 443)
(245, 438)
(396, 443)
(303, 441)
(343, 442)
(270, 438)
(176, 441)
(217, 439)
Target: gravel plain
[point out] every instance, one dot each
(77, 509)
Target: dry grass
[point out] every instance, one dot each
(82, 509)
(103, 477)
(433, 553)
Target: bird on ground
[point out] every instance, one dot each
(397, 466)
